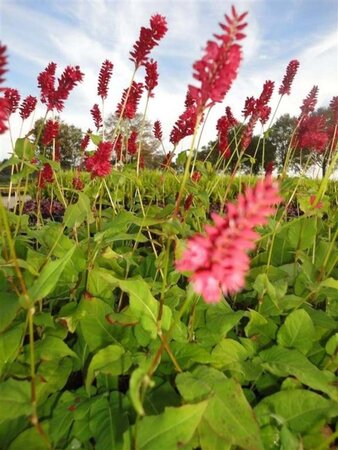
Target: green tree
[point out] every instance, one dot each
(279, 137)
(149, 144)
(68, 142)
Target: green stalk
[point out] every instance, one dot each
(187, 168)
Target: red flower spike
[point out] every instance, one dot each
(218, 259)
(3, 115)
(13, 98)
(99, 164)
(118, 147)
(85, 140)
(97, 117)
(334, 109)
(218, 68)
(166, 163)
(104, 78)
(184, 126)
(249, 107)
(132, 144)
(188, 202)
(27, 107)
(148, 39)
(51, 132)
(269, 168)
(196, 176)
(311, 134)
(45, 176)
(151, 79)
(78, 184)
(157, 130)
(46, 83)
(246, 137)
(128, 106)
(231, 119)
(55, 98)
(3, 62)
(291, 70)
(223, 127)
(309, 103)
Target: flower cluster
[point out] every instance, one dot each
(291, 70)
(185, 125)
(218, 258)
(99, 164)
(3, 101)
(130, 99)
(45, 175)
(224, 125)
(316, 132)
(27, 107)
(85, 140)
(77, 183)
(258, 110)
(148, 39)
(157, 130)
(151, 79)
(309, 103)
(13, 98)
(53, 97)
(51, 132)
(218, 68)
(132, 144)
(97, 117)
(104, 78)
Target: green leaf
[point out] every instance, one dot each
(51, 348)
(302, 233)
(109, 361)
(107, 422)
(171, 429)
(10, 343)
(228, 415)
(15, 399)
(52, 376)
(9, 306)
(95, 138)
(332, 345)
(49, 276)
(94, 327)
(77, 213)
(227, 354)
(298, 409)
(144, 306)
(283, 362)
(138, 380)
(24, 148)
(30, 439)
(261, 328)
(297, 331)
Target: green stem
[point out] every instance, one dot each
(187, 168)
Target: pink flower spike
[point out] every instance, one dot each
(218, 259)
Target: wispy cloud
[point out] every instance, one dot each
(85, 32)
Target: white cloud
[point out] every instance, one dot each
(87, 32)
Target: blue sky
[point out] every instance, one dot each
(86, 32)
